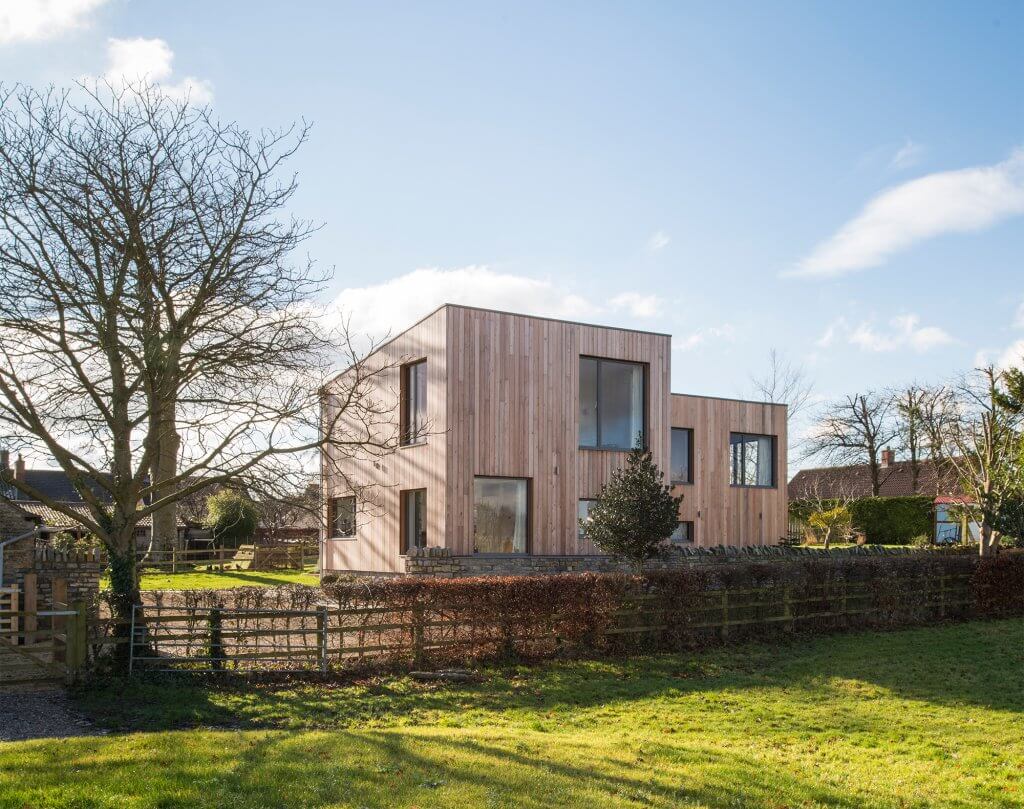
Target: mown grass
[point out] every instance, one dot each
(153, 579)
(919, 718)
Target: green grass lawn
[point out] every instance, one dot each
(218, 580)
(912, 719)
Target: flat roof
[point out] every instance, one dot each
(731, 399)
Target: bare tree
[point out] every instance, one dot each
(854, 430)
(156, 337)
(785, 383)
(909, 411)
(983, 445)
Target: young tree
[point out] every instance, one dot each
(156, 337)
(635, 511)
(231, 517)
(836, 521)
(983, 445)
(855, 430)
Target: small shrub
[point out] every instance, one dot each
(66, 542)
(921, 541)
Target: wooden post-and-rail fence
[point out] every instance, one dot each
(328, 637)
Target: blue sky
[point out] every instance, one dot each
(842, 182)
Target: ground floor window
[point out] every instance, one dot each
(343, 517)
(683, 535)
(501, 515)
(414, 519)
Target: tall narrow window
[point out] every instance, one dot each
(682, 456)
(342, 517)
(501, 515)
(582, 515)
(612, 405)
(414, 519)
(414, 402)
(751, 460)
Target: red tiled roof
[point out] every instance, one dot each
(55, 519)
(855, 481)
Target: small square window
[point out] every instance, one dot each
(683, 535)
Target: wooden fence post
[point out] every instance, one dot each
(417, 634)
(216, 640)
(174, 560)
(77, 641)
(322, 626)
(31, 601)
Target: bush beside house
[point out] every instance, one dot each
(882, 520)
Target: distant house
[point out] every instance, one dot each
(934, 480)
(55, 485)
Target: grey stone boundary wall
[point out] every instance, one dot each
(80, 571)
(440, 563)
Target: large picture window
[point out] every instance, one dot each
(414, 519)
(682, 456)
(612, 404)
(343, 517)
(752, 459)
(414, 403)
(501, 515)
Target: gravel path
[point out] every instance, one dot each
(40, 714)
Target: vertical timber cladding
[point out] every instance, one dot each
(513, 404)
(376, 546)
(724, 514)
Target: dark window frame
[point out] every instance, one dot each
(689, 460)
(579, 500)
(689, 533)
(405, 406)
(403, 514)
(529, 514)
(645, 388)
(333, 515)
(743, 460)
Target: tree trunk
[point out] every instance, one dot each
(124, 588)
(988, 543)
(164, 468)
(828, 538)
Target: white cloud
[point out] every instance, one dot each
(908, 155)
(658, 241)
(904, 332)
(151, 60)
(946, 202)
(391, 306)
(34, 20)
(636, 305)
(725, 332)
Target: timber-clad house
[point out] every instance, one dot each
(509, 425)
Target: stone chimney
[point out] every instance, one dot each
(19, 468)
(888, 458)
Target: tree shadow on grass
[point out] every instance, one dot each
(953, 665)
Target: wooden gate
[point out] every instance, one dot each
(37, 646)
